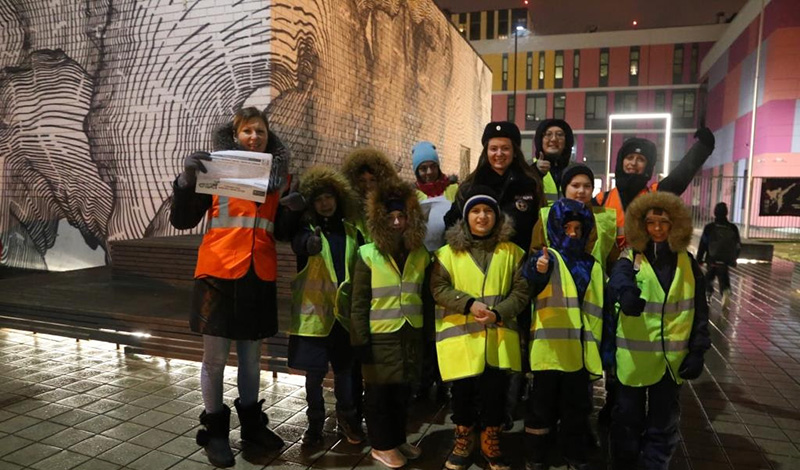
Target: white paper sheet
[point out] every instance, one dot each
(235, 173)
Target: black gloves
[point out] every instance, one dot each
(692, 366)
(294, 201)
(631, 304)
(191, 165)
(314, 243)
(706, 137)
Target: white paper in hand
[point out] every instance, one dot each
(236, 173)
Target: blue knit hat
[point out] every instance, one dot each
(423, 152)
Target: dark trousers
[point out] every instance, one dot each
(342, 389)
(480, 400)
(559, 396)
(645, 421)
(386, 411)
(718, 270)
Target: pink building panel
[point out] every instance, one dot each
(743, 45)
(781, 14)
(519, 110)
(499, 107)
(774, 127)
(568, 61)
(575, 114)
(590, 68)
(714, 105)
(619, 60)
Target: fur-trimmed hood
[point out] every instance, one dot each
(460, 238)
(414, 234)
(680, 234)
(317, 179)
(376, 160)
(223, 140)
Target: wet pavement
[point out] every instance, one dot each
(86, 405)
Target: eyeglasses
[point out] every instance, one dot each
(555, 135)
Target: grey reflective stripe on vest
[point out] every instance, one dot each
(651, 346)
(670, 308)
(224, 219)
(459, 330)
(556, 302)
(395, 291)
(592, 309)
(551, 196)
(564, 333)
(395, 313)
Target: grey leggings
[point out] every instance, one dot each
(215, 355)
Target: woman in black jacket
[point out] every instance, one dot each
(502, 167)
(235, 292)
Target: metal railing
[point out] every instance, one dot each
(706, 191)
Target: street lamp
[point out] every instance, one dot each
(517, 32)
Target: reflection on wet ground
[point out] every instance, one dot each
(66, 404)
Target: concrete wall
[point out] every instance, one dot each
(100, 102)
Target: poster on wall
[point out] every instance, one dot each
(780, 196)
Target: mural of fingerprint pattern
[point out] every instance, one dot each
(100, 101)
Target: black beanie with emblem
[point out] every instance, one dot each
(501, 129)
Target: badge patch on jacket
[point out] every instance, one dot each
(523, 203)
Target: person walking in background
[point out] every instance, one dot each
(235, 296)
(719, 248)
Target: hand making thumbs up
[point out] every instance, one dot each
(314, 242)
(543, 262)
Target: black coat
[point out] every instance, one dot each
(244, 308)
(518, 197)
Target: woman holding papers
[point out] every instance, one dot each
(235, 291)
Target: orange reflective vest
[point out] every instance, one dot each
(612, 200)
(239, 233)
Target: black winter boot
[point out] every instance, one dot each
(214, 438)
(254, 428)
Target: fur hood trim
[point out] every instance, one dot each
(320, 177)
(223, 140)
(460, 238)
(375, 159)
(414, 234)
(680, 234)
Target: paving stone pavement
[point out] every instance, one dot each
(68, 404)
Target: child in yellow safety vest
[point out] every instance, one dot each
(387, 317)
(661, 330)
(479, 292)
(326, 248)
(566, 285)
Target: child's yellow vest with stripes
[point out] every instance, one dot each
(606, 222)
(565, 333)
(396, 299)
(658, 340)
(317, 299)
(464, 346)
(550, 189)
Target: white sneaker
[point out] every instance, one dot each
(392, 458)
(410, 452)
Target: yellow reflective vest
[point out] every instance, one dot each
(318, 299)
(449, 193)
(396, 297)
(565, 332)
(605, 220)
(463, 345)
(658, 340)
(550, 189)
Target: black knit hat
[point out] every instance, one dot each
(479, 194)
(641, 146)
(501, 129)
(573, 170)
